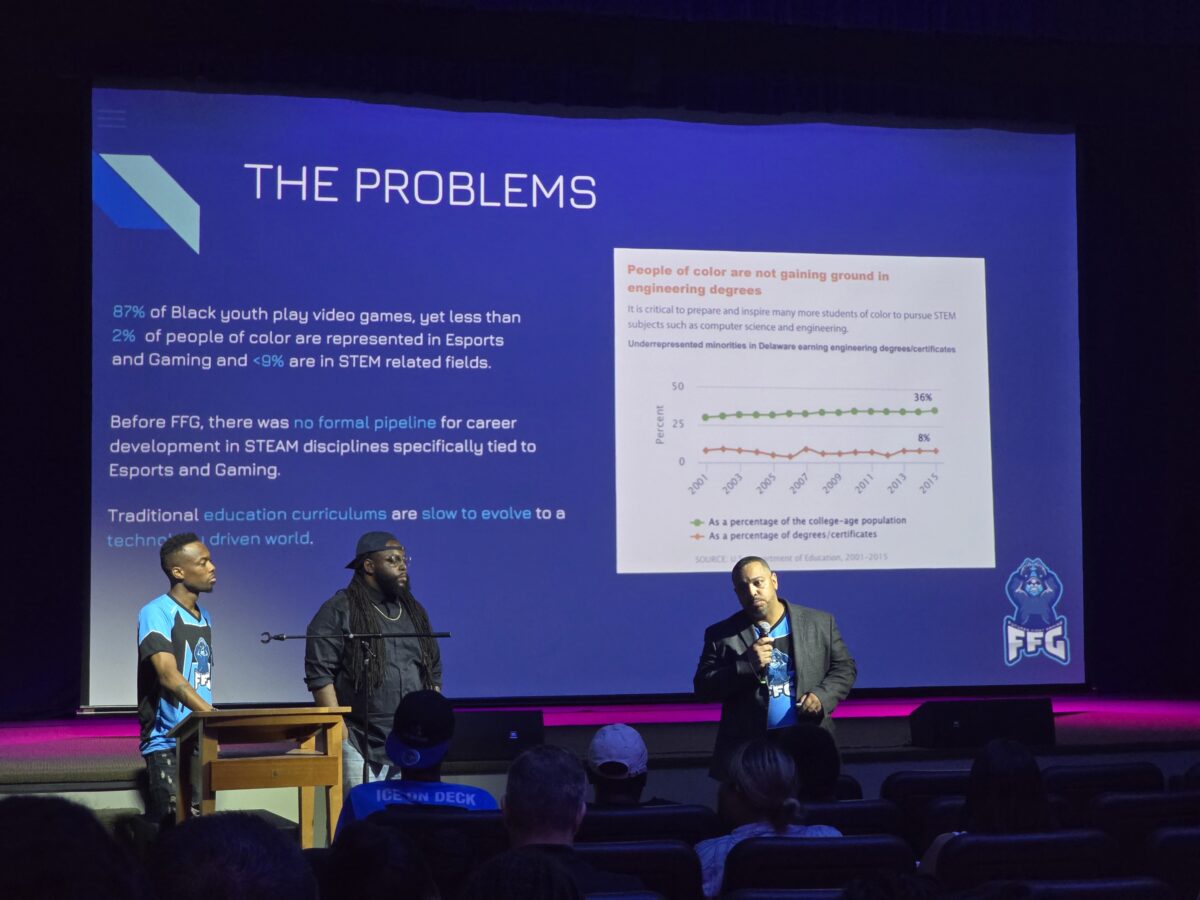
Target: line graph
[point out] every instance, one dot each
(734, 447)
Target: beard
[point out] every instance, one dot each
(395, 590)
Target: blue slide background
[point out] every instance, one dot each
(536, 607)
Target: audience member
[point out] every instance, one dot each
(616, 768)
(369, 861)
(51, 848)
(421, 731)
(758, 799)
(1005, 795)
(522, 875)
(543, 807)
(233, 856)
(818, 763)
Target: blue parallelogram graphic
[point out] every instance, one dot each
(135, 192)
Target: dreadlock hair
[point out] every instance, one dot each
(368, 663)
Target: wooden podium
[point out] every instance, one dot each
(315, 761)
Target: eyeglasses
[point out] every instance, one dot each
(405, 560)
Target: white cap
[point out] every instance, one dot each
(616, 745)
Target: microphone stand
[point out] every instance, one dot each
(371, 660)
(266, 637)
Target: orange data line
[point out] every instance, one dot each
(772, 454)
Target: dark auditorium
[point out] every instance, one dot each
(629, 449)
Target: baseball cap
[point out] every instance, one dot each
(371, 542)
(421, 730)
(617, 751)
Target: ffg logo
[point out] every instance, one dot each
(1034, 591)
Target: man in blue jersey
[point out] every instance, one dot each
(175, 663)
(421, 731)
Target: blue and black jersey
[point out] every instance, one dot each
(164, 626)
(364, 799)
(781, 675)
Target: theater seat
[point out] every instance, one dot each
(453, 841)
(949, 813)
(852, 817)
(1189, 780)
(1100, 888)
(971, 859)
(906, 784)
(668, 867)
(847, 788)
(796, 862)
(1131, 817)
(941, 816)
(912, 791)
(1173, 855)
(1078, 784)
(784, 894)
(687, 823)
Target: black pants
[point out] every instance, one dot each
(162, 774)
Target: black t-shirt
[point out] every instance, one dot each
(327, 661)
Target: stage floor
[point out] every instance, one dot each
(94, 750)
(1078, 719)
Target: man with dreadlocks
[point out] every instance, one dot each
(371, 675)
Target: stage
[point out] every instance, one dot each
(99, 752)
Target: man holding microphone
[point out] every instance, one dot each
(772, 664)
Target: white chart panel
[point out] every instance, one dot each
(824, 411)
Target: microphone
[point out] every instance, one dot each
(763, 628)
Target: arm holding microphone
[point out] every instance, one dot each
(733, 663)
(725, 668)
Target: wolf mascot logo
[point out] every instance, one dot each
(203, 676)
(1034, 627)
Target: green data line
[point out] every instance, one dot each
(805, 413)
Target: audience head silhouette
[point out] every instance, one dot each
(369, 861)
(1005, 794)
(818, 763)
(232, 855)
(544, 800)
(616, 765)
(51, 848)
(760, 786)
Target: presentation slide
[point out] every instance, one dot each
(579, 366)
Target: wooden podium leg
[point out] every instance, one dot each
(306, 801)
(334, 793)
(307, 814)
(208, 754)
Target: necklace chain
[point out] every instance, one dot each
(394, 618)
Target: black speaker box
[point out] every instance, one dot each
(494, 735)
(971, 723)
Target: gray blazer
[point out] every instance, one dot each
(824, 667)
